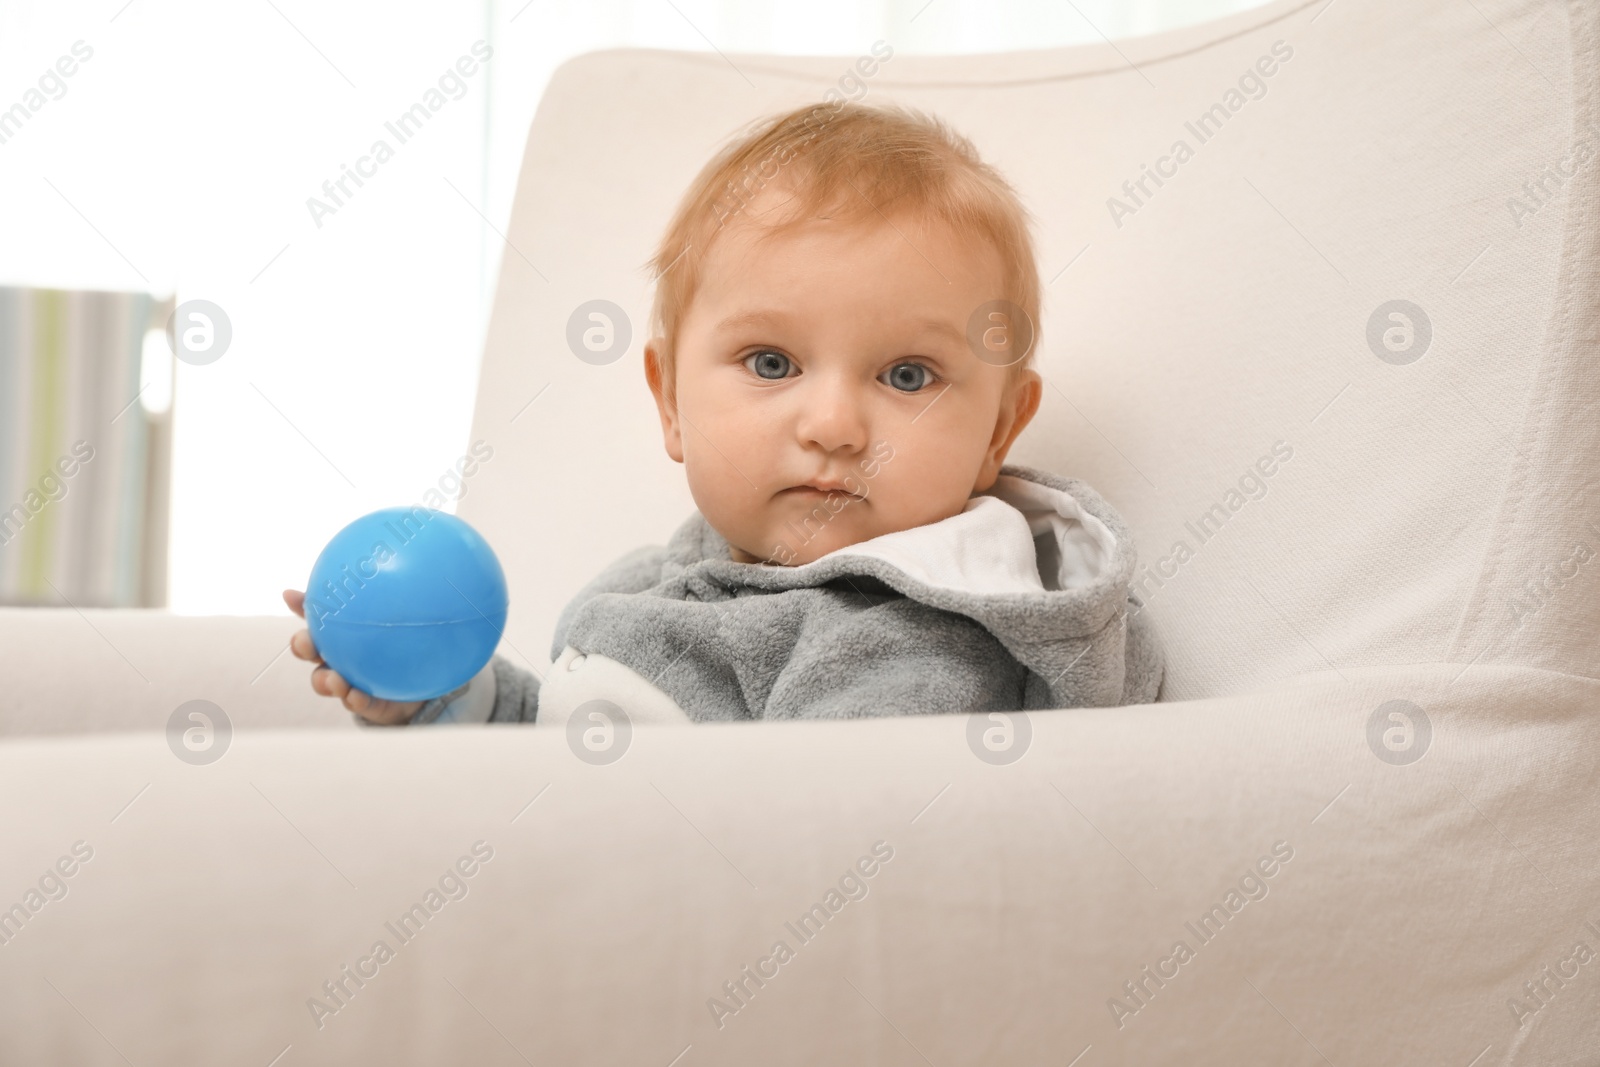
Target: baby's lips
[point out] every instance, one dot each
(813, 490)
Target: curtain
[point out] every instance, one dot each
(190, 152)
(83, 465)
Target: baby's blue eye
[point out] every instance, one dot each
(909, 377)
(768, 364)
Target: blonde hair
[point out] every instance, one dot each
(833, 156)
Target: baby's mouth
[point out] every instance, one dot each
(819, 490)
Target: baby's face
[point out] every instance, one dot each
(825, 389)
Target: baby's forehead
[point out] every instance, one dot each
(778, 213)
(758, 243)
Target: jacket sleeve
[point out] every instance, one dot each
(505, 693)
(635, 572)
(516, 693)
(501, 692)
(1146, 668)
(454, 706)
(467, 703)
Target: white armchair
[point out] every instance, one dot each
(1365, 806)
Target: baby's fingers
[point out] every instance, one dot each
(329, 682)
(302, 646)
(300, 642)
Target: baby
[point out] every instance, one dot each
(843, 333)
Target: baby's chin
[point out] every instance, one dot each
(793, 544)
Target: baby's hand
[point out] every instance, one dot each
(327, 682)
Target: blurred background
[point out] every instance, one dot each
(177, 161)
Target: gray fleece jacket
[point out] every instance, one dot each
(1019, 602)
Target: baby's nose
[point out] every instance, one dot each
(833, 418)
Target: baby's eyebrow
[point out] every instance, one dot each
(943, 327)
(746, 319)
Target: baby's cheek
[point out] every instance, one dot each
(921, 496)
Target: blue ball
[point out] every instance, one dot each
(406, 603)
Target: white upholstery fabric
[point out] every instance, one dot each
(1229, 313)
(1018, 900)
(1405, 512)
(68, 671)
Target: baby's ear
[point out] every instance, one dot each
(666, 404)
(1018, 405)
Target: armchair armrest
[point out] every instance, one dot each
(106, 669)
(791, 893)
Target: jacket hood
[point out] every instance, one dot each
(1040, 561)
